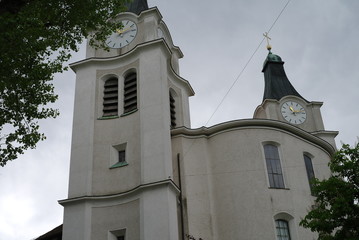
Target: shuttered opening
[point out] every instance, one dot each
(130, 93)
(110, 97)
(172, 111)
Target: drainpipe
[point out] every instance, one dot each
(180, 195)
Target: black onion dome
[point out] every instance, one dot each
(277, 84)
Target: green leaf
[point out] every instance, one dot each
(37, 38)
(335, 214)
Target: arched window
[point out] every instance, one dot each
(172, 111)
(282, 228)
(274, 168)
(309, 168)
(130, 93)
(110, 97)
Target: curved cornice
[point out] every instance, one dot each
(135, 190)
(156, 11)
(149, 11)
(136, 50)
(252, 123)
(182, 81)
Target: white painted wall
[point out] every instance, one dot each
(99, 196)
(225, 183)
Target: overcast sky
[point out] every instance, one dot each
(317, 40)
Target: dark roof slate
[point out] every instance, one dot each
(276, 82)
(137, 6)
(54, 234)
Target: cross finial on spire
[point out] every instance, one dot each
(269, 47)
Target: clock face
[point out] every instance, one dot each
(123, 36)
(293, 112)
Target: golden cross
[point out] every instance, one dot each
(269, 47)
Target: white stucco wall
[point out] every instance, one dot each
(225, 182)
(145, 134)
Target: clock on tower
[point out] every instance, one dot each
(127, 101)
(282, 102)
(122, 36)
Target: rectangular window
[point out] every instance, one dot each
(172, 111)
(130, 93)
(110, 97)
(274, 168)
(122, 156)
(117, 235)
(282, 230)
(310, 170)
(118, 156)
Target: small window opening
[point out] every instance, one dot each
(121, 157)
(117, 235)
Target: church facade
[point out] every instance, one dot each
(139, 171)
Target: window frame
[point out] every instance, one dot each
(279, 229)
(130, 93)
(308, 162)
(172, 102)
(118, 156)
(110, 103)
(117, 234)
(274, 167)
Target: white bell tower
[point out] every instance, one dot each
(126, 102)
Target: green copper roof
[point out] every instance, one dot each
(272, 58)
(277, 84)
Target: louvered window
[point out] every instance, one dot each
(130, 93)
(110, 97)
(172, 111)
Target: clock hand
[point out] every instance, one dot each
(122, 31)
(297, 111)
(291, 108)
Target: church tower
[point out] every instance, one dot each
(282, 102)
(127, 100)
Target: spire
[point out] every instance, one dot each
(137, 6)
(277, 85)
